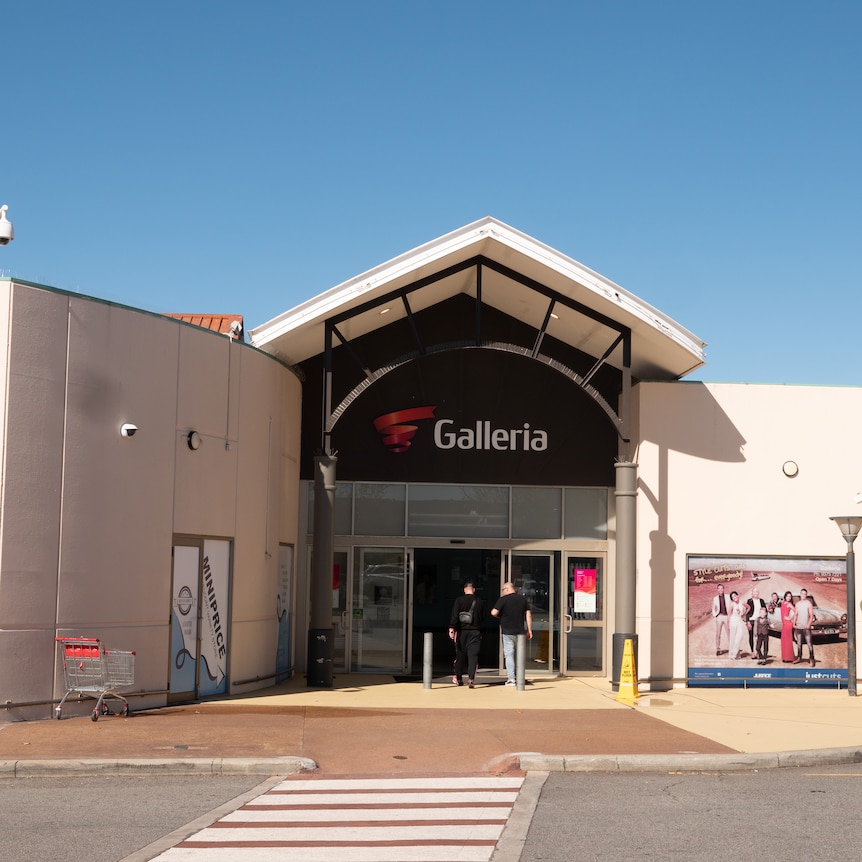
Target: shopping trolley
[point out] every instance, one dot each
(91, 670)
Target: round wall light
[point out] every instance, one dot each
(194, 441)
(790, 469)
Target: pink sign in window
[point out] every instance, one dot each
(584, 591)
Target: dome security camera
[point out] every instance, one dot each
(7, 232)
(128, 430)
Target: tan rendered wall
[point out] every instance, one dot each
(88, 517)
(711, 482)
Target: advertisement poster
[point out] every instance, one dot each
(767, 621)
(184, 620)
(584, 591)
(215, 617)
(282, 609)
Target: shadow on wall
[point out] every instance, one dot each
(695, 424)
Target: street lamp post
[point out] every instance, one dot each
(850, 526)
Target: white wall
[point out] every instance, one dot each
(710, 467)
(88, 517)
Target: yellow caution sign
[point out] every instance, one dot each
(628, 688)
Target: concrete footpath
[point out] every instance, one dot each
(379, 725)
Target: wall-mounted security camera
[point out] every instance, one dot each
(128, 430)
(7, 232)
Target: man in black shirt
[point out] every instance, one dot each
(513, 609)
(465, 628)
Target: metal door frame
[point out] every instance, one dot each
(553, 577)
(568, 623)
(344, 619)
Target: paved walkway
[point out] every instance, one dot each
(377, 725)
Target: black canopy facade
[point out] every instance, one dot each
(485, 287)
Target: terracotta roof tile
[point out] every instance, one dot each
(222, 323)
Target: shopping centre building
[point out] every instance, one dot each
(310, 498)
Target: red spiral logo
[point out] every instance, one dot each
(395, 431)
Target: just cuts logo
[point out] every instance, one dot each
(398, 432)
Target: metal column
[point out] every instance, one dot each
(626, 568)
(320, 633)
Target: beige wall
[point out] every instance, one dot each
(88, 517)
(710, 466)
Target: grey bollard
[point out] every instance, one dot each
(520, 662)
(427, 651)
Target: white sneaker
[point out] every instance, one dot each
(511, 682)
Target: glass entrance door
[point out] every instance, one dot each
(438, 579)
(378, 618)
(536, 576)
(369, 610)
(584, 636)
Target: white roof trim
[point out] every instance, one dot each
(628, 306)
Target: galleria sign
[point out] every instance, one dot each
(397, 432)
(483, 435)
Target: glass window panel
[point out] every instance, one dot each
(536, 513)
(584, 649)
(343, 508)
(379, 509)
(586, 513)
(479, 511)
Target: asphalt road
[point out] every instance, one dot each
(773, 814)
(807, 813)
(70, 819)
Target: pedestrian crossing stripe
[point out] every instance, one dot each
(405, 819)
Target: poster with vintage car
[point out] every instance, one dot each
(767, 621)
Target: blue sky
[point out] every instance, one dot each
(206, 156)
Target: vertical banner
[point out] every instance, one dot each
(584, 591)
(184, 620)
(282, 607)
(215, 572)
(764, 620)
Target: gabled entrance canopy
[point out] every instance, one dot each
(591, 321)
(550, 295)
